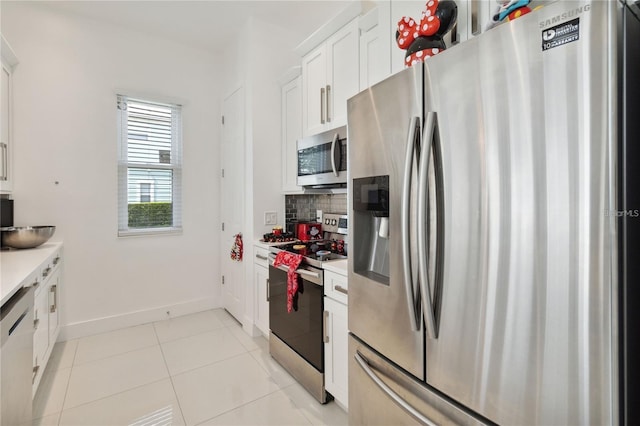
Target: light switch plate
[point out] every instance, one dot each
(270, 218)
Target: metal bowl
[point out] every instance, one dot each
(23, 237)
(322, 253)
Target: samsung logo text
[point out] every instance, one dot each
(564, 16)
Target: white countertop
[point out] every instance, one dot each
(266, 245)
(338, 266)
(17, 265)
(261, 244)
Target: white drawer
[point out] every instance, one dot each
(44, 271)
(33, 280)
(261, 256)
(50, 265)
(336, 286)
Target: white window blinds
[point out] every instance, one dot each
(149, 166)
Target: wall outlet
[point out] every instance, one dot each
(270, 218)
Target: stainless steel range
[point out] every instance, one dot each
(296, 338)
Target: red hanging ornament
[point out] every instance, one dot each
(237, 250)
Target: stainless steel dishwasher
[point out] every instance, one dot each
(16, 363)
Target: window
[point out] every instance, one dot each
(149, 167)
(145, 192)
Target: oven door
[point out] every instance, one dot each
(301, 329)
(322, 158)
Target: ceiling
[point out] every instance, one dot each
(208, 24)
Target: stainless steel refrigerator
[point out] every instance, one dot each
(495, 228)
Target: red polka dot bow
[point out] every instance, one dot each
(409, 31)
(424, 39)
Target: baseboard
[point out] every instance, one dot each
(102, 325)
(250, 328)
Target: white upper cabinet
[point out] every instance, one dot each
(330, 76)
(343, 72)
(376, 42)
(314, 77)
(479, 14)
(291, 97)
(5, 131)
(9, 61)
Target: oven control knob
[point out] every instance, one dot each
(334, 222)
(326, 221)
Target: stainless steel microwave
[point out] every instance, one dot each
(322, 159)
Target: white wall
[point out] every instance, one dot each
(272, 55)
(261, 55)
(65, 131)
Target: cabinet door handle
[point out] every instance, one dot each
(341, 289)
(36, 323)
(5, 162)
(46, 272)
(35, 284)
(325, 333)
(261, 257)
(322, 101)
(56, 260)
(268, 293)
(54, 306)
(475, 28)
(327, 102)
(35, 373)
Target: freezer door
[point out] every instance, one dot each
(384, 125)
(382, 394)
(524, 326)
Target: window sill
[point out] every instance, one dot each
(149, 232)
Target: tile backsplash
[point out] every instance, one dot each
(302, 208)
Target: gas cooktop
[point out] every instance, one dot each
(315, 251)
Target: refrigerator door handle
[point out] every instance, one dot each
(423, 196)
(333, 155)
(362, 362)
(405, 225)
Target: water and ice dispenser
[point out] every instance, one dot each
(371, 228)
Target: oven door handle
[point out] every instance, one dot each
(308, 273)
(298, 271)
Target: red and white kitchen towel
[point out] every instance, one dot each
(291, 260)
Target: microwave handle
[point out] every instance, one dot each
(333, 155)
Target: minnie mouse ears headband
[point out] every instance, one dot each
(426, 36)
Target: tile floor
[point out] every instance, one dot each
(199, 369)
